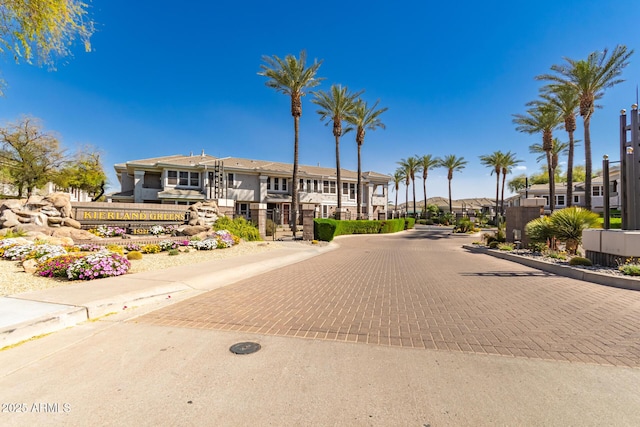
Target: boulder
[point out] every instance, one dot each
(70, 222)
(53, 240)
(58, 200)
(11, 204)
(10, 223)
(54, 221)
(192, 230)
(74, 234)
(50, 211)
(40, 219)
(30, 266)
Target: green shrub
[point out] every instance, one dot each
(238, 227)
(538, 247)
(630, 269)
(493, 244)
(539, 229)
(151, 249)
(410, 222)
(134, 255)
(392, 225)
(464, 225)
(507, 247)
(326, 229)
(556, 255)
(568, 224)
(578, 260)
(12, 233)
(173, 252)
(270, 228)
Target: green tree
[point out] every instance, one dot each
(292, 77)
(363, 118)
(410, 166)
(589, 78)
(43, 29)
(31, 156)
(84, 172)
(494, 162)
(453, 164)
(543, 118)
(508, 162)
(426, 162)
(566, 100)
(335, 106)
(517, 183)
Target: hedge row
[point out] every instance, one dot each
(327, 229)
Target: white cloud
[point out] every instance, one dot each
(521, 168)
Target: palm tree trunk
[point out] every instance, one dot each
(406, 198)
(450, 209)
(293, 221)
(587, 162)
(552, 183)
(497, 197)
(569, 200)
(504, 178)
(424, 183)
(396, 206)
(339, 181)
(414, 197)
(358, 192)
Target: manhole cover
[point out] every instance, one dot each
(245, 348)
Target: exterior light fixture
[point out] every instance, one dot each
(605, 157)
(629, 150)
(634, 107)
(623, 112)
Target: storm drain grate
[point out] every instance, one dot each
(244, 348)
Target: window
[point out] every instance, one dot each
(316, 186)
(284, 184)
(230, 180)
(576, 199)
(194, 179)
(352, 191)
(172, 177)
(345, 188)
(276, 184)
(301, 188)
(329, 187)
(309, 188)
(546, 200)
(183, 178)
(269, 183)
(560, 200)
(596, 190)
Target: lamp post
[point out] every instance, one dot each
(630, 169)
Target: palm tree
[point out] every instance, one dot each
(426, 162)
(565, 99)
(590, 78)
(363, 118)
(410, 166)
(544, 118)
(508, 162)
(452, 164)
(494, 162)
(335, 106)
(552, 156)
(398, 177)
(291, 77)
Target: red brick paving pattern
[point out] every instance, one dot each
(422, 291)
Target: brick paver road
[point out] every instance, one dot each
(420, 289)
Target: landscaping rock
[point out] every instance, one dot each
(192, 230)
(54, 221)
(30, 266)
(74, 234)
(70, 222)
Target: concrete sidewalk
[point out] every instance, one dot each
(27, 315)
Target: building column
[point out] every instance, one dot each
(259, 215)
(138, 182)
(308, 215)
(262, 188)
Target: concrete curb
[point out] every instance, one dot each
(41, 312)
(562, 270)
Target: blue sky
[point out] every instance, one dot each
(168, 79)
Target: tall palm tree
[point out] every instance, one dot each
(398, 177)
(590, 77)
(292, 77)
(426, 162)
(363, 118)
(508, 162)
(411, 166)
(552, 156)
(565, 99)
(452, 164)
(494, 162)
(335, 106)
(543, 118)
